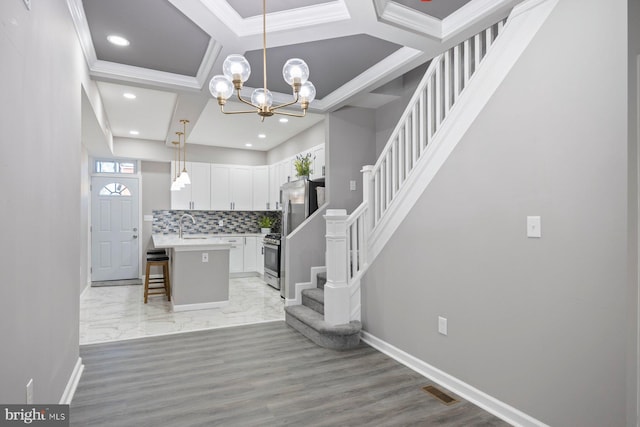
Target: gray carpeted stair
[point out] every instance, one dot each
(308, 319)
(314, 299)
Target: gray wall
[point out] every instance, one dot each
(632, 301)
(156, 179)
(311, 137)
(85, 212)
(42, 69)
(351, 145)
(537, 323)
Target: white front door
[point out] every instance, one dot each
(114, 225)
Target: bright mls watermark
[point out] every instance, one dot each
(34, 415)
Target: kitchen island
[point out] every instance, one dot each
(199, 270)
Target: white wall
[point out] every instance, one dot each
(309, 138)
(540, 324)
(42, 68)
(156, 180)
(158, 151)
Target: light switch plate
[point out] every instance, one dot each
(352, 185)
(534, 226)
(442, 325)
(148, 218)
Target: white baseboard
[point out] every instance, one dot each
(299, 288)
(199, 306)
(290, 301)
(72, 384)
(86, 286)
(488, 403)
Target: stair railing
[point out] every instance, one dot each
(348, 236)
(445, 79)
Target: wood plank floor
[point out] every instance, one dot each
(254, 375)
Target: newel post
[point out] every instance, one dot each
(336, 290)
(368, 196)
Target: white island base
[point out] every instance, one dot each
(199, 272)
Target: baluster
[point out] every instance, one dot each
(399, 158)
(447, 83)
(388, 179)
(423, 125)
(354, 251)
(467, 62)
(377, 196)
(438, 90)
(408, 144)
(477, 48)
(362, 247)
(415, 141)
(501, 25)
(456, 73)
(488, 39)
(394, 167)
(430, 110)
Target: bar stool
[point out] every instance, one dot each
(157, 258)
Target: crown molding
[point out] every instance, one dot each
(278, 21)
(407, 18)
(106, 69)
(82, 29)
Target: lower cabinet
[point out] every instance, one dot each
(245, 255)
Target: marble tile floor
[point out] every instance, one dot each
(118, 312)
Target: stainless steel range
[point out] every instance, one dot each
(272, 259)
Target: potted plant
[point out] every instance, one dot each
(266, 223)
(303, 165)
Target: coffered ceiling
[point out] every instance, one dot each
(352, 47)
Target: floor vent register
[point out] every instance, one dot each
(440, 395)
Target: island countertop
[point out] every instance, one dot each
(191, 242)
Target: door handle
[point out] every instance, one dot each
(135, 229)
(135, 236)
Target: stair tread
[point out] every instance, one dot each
(315, 294)
(315, 320)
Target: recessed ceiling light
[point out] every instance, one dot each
(248, 145)
(283, 120)
(118, 40)
(129, 95)
(262, 135)
(134, 132)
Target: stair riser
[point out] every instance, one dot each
(313, 304)
(343, 342)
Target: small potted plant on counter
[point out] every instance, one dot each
(265, 224)
(303, 165)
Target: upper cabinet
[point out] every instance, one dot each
(261, 195)
(231, 188)
(195, 196)
(236, 187)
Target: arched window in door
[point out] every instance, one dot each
(115, 189)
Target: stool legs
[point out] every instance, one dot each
(165, 280)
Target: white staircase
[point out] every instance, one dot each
(457, 85)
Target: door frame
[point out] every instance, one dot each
(137, 176)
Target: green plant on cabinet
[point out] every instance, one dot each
(303, 165)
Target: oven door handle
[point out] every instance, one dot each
(270, 246)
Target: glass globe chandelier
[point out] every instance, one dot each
(236, 70)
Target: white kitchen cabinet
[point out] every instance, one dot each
(236, 254)
(195, 196)
(260, 254)
(260, 188)
(231, 187)
(250, 258)
(274, 188)
(241, 188)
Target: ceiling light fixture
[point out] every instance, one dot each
(236, 70)
(184, 176)
(176, 185)
(129, 95)
(262, 136)
(248, 145)
(118, 40)
(134, 132)
(283, 120)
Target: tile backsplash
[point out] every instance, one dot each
(234, 222)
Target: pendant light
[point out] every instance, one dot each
(184, 176)
(177, 185)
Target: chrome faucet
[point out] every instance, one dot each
(180, 224)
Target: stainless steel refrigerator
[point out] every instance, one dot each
(298, 199)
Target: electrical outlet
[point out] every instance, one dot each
(205, 257)
(442, 325)
(220, 223)
(30, 392)
(352, 185)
